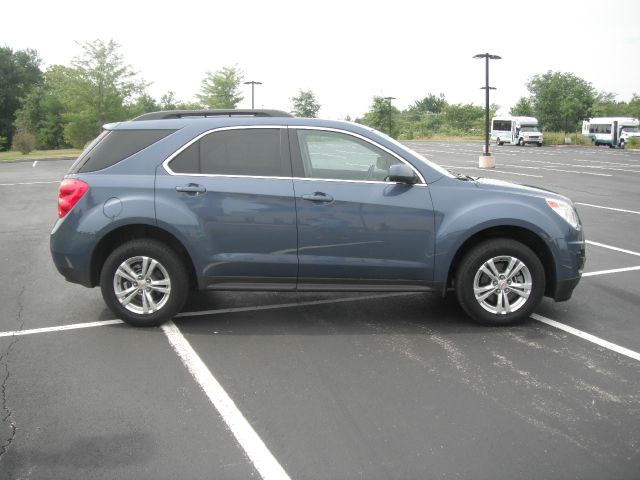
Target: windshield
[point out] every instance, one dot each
(529, 128)
(431, 164)
(630, 129)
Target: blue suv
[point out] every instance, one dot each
(259, 200)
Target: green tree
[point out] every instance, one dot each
(305, 104)
(144, 103)
(382, 116)
(168, 101)
(561, 100)
(19, 72)
(633, 107)
(464, 118)
(605, 105)
(522, 108)
(42, 112)
(97, 90)
(24, 141)
(429, 104)
(221, 89)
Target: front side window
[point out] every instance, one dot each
(331, 155)
(245, 152)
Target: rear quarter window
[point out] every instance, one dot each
(115, 146)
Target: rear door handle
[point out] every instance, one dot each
(191, 188)
(318, 197)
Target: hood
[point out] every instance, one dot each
(529, 190)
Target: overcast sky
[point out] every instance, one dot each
(345, 51)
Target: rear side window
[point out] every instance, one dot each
(115, 146)
(502, 125)
(248, 152)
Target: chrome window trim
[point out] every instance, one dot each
(165, 164)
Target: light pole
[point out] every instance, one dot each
(252, 83)
(487, 57)
(389, 100)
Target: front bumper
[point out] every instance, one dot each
(564, 287)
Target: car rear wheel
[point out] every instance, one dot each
(500, 282)
(144, 282)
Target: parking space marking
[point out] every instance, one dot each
(587, 336)
(102, 323)
(615, 270)
(492, 171)
(622, 250)
(60, 328)
(26, 183)
(607, 208)
(262, 459)
(292, 304)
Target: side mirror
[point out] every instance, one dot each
(402, 173)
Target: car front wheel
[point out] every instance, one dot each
(500, 282)
(144, 282)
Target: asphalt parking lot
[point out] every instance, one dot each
(307, 386)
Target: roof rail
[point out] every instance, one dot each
(172, 114)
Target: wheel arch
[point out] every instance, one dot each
(125, 233)
(520, 234)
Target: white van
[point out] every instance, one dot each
(516, 131)
(612, 131)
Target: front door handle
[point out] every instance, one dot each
(318, 197)
(192, 188)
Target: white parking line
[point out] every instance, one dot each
(293, 304)
(491, 171)
(587, 336)
(262, 459)
(25, 183)
(615, 270)
(60, 328)
(608, 208)
(596, 244)
(76, 326)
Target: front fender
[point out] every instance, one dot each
(462, 213)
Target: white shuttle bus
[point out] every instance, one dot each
(516, 131)
(612, 131)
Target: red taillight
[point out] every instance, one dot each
(71, 190)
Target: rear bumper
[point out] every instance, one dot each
(70, 273)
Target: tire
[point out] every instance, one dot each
(521, 142)
(167, 280)
(498, 142)
(471, 275)
(539, 144)
(622, 144)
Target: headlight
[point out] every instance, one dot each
(565, 210)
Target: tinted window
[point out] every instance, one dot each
(600, 128)
(188, 161)
(252, 152)
(502, 125)
(117, 145)
(343, 157)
